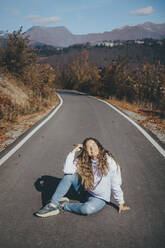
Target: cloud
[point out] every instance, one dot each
(143, 12)
(43, 20)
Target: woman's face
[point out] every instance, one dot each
(92, 149)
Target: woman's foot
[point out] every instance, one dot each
(51, 208)
(62, 202)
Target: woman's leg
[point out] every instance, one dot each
(64, 186)
(92, 206)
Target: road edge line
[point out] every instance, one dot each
(28, 136)
(152, 141)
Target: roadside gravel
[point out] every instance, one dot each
(18, 129)
(155, 129)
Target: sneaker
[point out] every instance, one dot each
(49, 210)
(62, 203)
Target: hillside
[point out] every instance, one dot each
(151, 51)
(15, 109)
(10, 90)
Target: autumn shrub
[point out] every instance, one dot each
(81, 75)
(18, 60)
(8, 110)
(144, 85)
(17, 54)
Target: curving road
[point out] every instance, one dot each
(29, 177)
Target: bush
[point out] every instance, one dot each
(17, 54)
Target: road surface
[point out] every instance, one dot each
(29, 177)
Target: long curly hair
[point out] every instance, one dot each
(84, 164)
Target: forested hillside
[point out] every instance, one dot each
(129, 71)
(151, 51)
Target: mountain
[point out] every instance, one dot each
(62, 37)
(54, 36)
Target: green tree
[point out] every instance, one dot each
(17, 54)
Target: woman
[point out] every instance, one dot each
(97, 171)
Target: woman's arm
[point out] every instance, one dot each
(70, 164)
(116, 182)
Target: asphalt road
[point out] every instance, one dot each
(30, 176)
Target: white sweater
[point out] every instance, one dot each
(103, 185)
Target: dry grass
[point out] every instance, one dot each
(14, 99)
(9, 88)
(4, 127)
(26, 122)
(15, 106)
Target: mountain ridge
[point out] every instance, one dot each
(60, 36)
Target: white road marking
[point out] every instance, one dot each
(14, 149)
(153, 142)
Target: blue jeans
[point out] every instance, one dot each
(91, 206)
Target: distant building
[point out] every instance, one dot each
(139, 41)
(109, 43)
(160, 42)
(59, 48)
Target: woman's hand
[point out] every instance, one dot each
(78, 148)
(123, 208)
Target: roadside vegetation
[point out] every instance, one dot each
(25, 86)
(139, 88)
(130, 72)
(143, 86)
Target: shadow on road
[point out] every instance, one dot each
(48, 184)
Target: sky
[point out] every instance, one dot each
(79, 16)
